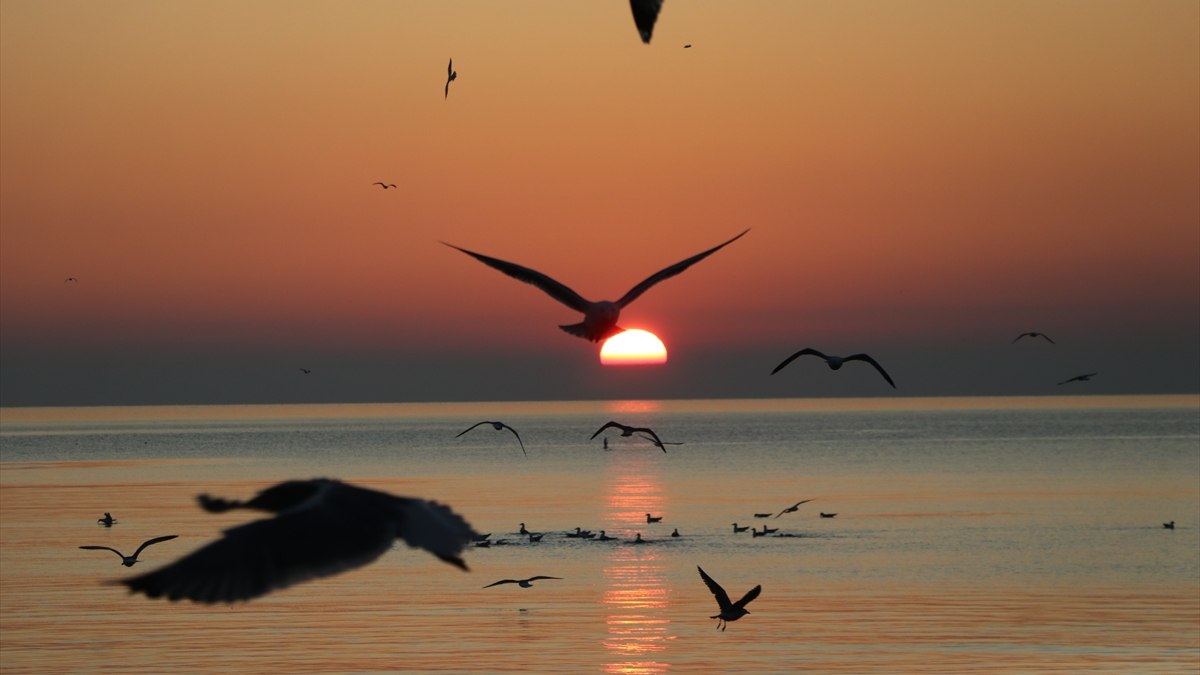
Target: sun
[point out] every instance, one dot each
(634, 347)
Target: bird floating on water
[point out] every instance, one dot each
(599, 318)
(320, 527)
(1034, 335)
(741, 528)
(523, 583)
(107, 520)
(626, 430)
(730, 611)
(836, 362)
(384, 185)
(451, 75)
(793, 508)
(675, 533)
(604, 537)
(1079, 378)
(497, 426)
(1170, 525)
(769, 530)
(535, 537)
(129, 560)
(828, 515)
(653, 519)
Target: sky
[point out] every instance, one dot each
(923, 181)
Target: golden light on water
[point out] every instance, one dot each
(634, 347)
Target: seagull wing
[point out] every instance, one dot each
(718, 592)
(514, 433)
(470, 428)
(668, 272)
(536, 578)
(749, 596)
(803, 352)
(608, 425)
(868, 359)
(502, 581)
(1048, 339)
(645, 13)
(653, 437)
(549, 286)
(1020, 336)
(450, 68)
(105, 548)
(149, 542)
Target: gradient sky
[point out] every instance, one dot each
(924, 181)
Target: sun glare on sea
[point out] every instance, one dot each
(634, 347)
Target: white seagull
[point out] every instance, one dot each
(599, 318)
(497, 426)
(523, 583)
(730, 611)
(836, 362)
(129, 560)
(321, 527)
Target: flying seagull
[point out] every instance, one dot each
(1079, 378)
(730, 611)
(321, 527)
(497, 426)
(645, 13)
(383, 184)
(523, 583)
(599, 318)
(836, 362)
(306, 371)
(129, 560)
(1034, 335)
(70, 280)
(107, 520)
(451, 75)
(629, 431)
(793, 508)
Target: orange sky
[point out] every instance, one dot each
(911, 171)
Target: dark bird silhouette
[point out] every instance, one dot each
(645, 13)
(599, 318)
(687, 46)
(769, 530)
(535, 537)
(793, 508)
(497, 426)
(451, 75)
(383, 184)
(107, 520)
(72, 280)
(129, 560)
(523, 583)
(662, 445)
(306, 371)
(481, 537)
(653, 519)
(1170, 525)
(1079, 378)
(604, 537)
(737, 528)
(675, 533)
(638, 539)
(836, 362)
(828, 515)
(523, 530)
(764, 515)
(756, 533)
(730, 611)
(1034, 335)
(321, 527)
(629, 431)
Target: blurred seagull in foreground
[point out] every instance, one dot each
(1079, 378)
(645, 13)
(836, 362)
(451, 75)
(793, 508)
(321, 527)
(629, 431)
(599, 318)
(129, 560)
(1034, 335)
(730, 611)
(497, 426)
(523, 583)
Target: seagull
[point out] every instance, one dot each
(306, 371)
(599, 318)
(535, 537)
(638, 539)
(645, 13)
(836, 362)
(129, 560)
(675, 533)
(653, 519)
(523, 530)
(628, 431)
(742, 528)
(383, 184)
(604, 537)
(108, 521)
(764, 515)
(769, 530)
(1170, 525)
(1034, 335)
(451, 75)
(828, 515)
(523, 583)
(1079, 378)
(756, 533)
(70, 280)
(793, 508)
(730, 611)
(320, 527)
(497, 426)
(481, 537)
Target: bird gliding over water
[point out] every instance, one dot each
(730, 611)
(836, 362)
(628, 431)
(1034, 335)
(321, 527)
(523, 583)
(129, 560)
(1079, 378)
(599, 318)
(497, 426)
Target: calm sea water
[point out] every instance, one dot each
(972, 535)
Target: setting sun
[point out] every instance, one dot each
(634, 347)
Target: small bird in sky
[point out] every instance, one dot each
(599, 318)
(70, 280)
(793, 508)
(306, 371)
(107, 520)
(629, 431)
(645, 13)
(1034, 335)
(320, 527)
(836, 362)
(1079, 378)
(129, 560)
(523, 583)
(384, 185)
(497, 426)
(653, 519)
(687, 46)
(451, 75)
(730, 611)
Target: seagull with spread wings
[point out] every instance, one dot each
(626, 430)
(1079, 378)
(793, 508)
(1034, 335)
(523, 583)
(129, 560)
(497, 426)
(835, 362)
(730, 611)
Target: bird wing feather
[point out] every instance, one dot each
(150, 542)
(803, 352)
(715, 588)
(104, 548)
(554, 289)
(608, 425)
(868, 359)
(750, 595)
(668, 272)
(469, 428)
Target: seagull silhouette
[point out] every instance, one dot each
(836, 362)
(1170, 525)
(70, 280)
(523, 583)
(451, 75)
(321, 527)
(384, 185)
(764, 515)
(1034, 335)
(792, 509)
(1079, 378)
(653, 519)
(306, 371)
(828, 515)
(742, 528)
(730, 611)
(129, 560)
(497, 426)
(645, 13)
(107, 520)
(629, 431)
(599, 318)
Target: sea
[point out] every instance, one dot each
(971, 535)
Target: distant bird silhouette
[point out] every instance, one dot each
(756, 533)
(662, 445)
(321, 527)
(497, 426)
(1034, 335)
(769, 530)
(523, 530)
(1170, 525)
(481, 537)
(604, 536)
(764, 515)
(793, 508)
(645, 13)
(606, 442)
(638, 539)
(383, 184)
(836, 362)
(1079, 378)
(523, 583)
(730, 611)
(675, 533)
(653, 519)
(483, 544)
(129, 560)
(737, 528)
(535, 537)
(580, 534)
(600, 318)
(687, 46)
(629, 431)
(107, 520)
(306, 371)
(828, 515)
(72, 280)
(451, 75)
